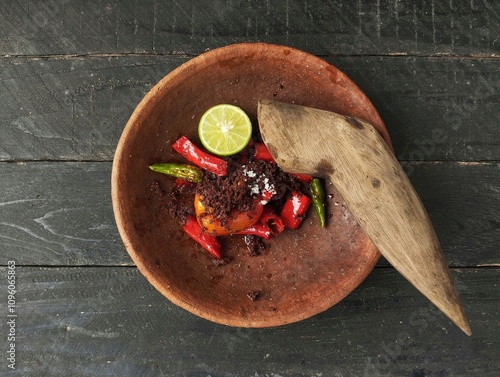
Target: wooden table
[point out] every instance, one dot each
(72, 72)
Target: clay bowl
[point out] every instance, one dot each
(302, 272)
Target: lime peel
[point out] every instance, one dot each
(225, 129)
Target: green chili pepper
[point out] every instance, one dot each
(318, 200)
(184, 171)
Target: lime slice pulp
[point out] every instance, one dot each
(225, 129)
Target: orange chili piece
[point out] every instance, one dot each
(236, 222)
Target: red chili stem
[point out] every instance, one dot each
(260, 230)
(208, 242)
(271, 219)
(204, 160)
(294, 209)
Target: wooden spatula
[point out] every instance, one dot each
(352, 154)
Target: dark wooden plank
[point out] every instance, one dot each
(60, 213)
(71, 109)
(332, 27)
(435, 109)
(111, 322)
(462, 200)
(76, 108)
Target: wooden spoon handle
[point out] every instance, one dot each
(385, 204)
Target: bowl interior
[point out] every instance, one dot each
(302, 272)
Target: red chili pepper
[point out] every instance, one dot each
(294, 209)
(266, 196)
(243, 158)
(204, 160)
(208, 242)
(304, 178)
(182, 186)
(180, 183)
(261, 153)
(260, 230)
(272, 220)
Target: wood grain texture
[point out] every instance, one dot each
(434, 109)
(111, 322)
(71, 109)
(60, 213)
(337, 27)
(76, 108)
(462, 208)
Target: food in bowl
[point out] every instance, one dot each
(242, 191)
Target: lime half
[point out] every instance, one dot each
(225, 129)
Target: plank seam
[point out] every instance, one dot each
(187, 55)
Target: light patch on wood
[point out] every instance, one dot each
(91, 333)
